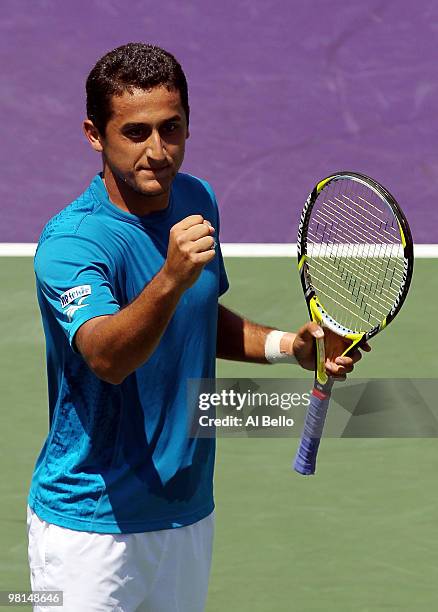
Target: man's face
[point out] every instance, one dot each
(144, 141)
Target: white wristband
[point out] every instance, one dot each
(272, 348)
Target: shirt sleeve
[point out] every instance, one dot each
(74, 281)
(223, 278)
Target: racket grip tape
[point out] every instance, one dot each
(305, 460)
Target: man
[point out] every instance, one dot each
(120, 510)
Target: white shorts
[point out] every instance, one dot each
(155, 571)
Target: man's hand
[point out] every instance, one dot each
(302, 345)
(191, 247)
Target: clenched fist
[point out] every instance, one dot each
(191, 247)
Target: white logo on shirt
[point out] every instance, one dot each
(72, 309)
(73, 294)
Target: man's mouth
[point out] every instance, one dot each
(160, 170)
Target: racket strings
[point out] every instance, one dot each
(357, 223)
(358, 282)
(355, 268)
(357, 307)
(360, 223)
(369, 215)
(354, 254)
(330, 292)
(364, 251)
(354, 237)
(355, 286)
(378, 223)
(352, 287)
(351, 273)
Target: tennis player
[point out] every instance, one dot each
(120, 513)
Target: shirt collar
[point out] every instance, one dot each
(101, 193)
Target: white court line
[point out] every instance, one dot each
(229, 249)
(17, 249)
(256, 249)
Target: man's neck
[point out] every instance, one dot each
(124, 197)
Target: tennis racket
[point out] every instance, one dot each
(355, 259)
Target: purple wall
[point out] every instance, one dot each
(282, 93)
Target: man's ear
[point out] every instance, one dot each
(92, 135)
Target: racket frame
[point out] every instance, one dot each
(315, 308)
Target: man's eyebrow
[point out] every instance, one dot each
(173, 118)
(137, 124)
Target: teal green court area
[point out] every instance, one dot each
(360, 536)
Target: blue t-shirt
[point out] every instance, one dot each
(118, 458)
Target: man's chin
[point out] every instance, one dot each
(152, 188)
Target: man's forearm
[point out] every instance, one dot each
(116, 345)
(242, 340)
(122, 342)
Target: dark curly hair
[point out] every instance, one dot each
(135, 65)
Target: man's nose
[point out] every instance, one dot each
(155, 149)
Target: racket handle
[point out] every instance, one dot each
(305, 460)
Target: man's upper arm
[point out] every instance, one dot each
(85, 336)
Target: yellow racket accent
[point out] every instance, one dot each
(316, 314)
(322, 183)
(402, 235)
(301, 262)
(355, 339)
(321, 374)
